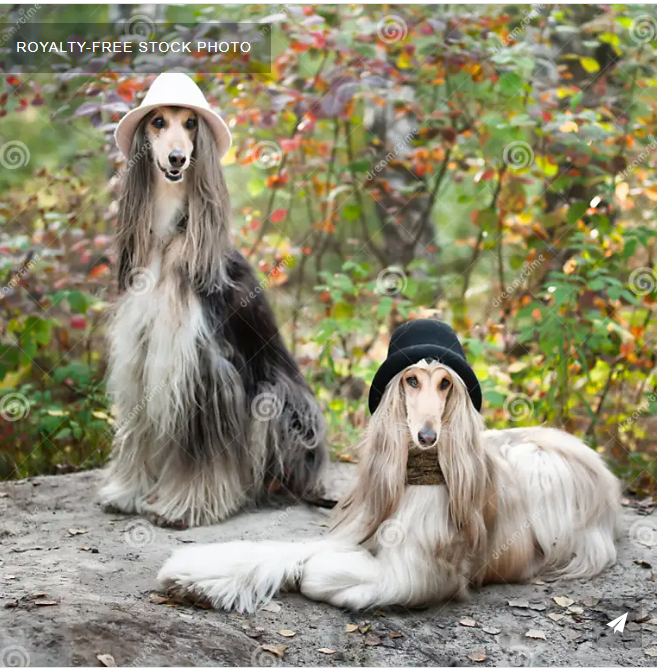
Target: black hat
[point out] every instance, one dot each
(416, 340)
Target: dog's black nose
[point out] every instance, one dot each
(426, 436)
(177, 158)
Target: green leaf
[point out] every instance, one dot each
(576, 100)
(360, 166)
(510, 83)
(576, 212)
(351, 212)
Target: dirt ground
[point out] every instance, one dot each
(76, 584)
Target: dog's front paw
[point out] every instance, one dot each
(117, 498)
(161, 521)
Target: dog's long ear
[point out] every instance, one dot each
(383, 453)
(134, 212)
(207, 237)
(464, 465)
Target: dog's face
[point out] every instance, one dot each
(426, 388)
(170, 132)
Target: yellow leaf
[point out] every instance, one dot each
(287, 633)
(589, 64)
(404, 60)
(569, 127)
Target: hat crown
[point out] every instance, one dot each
(175, 88)
(424, 332)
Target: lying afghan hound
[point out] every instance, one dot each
(212, 409)
(439, 505)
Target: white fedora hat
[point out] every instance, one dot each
(172, 88)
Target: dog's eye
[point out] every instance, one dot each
(190, 124)
(158, 122)
(412, 381)
(445, 384)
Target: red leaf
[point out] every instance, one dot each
(78, 322)
(278, 215)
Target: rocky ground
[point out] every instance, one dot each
(77, 587)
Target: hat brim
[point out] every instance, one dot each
(127, 127)
(414, 354)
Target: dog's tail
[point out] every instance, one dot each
(239, 575)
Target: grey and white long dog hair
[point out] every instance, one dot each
(213, 411)
(514, 504)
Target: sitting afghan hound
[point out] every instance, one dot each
(439, 505)
(213, 411)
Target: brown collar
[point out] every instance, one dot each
(422, 468)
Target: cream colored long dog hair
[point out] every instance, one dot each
(515, 503)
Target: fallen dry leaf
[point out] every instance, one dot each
(468, 623)
(535, 634)
(74, 533)
(276, 650)
(537, 606)
(652, 652)
(575, 610)
(45, 603)
(372, 640)
(328, 652)
(563, 601)
(395, 635)
(272, 606)
(556, 617)
(158, 599)
(491, 631)
(571, 634)
(477, 656)
(537, 582)
(590, 601)
(106, 659)
(287, 633)
(351, 627)
(521, 604)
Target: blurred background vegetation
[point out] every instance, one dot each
(493, 166)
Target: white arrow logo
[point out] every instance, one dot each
(618, 624)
